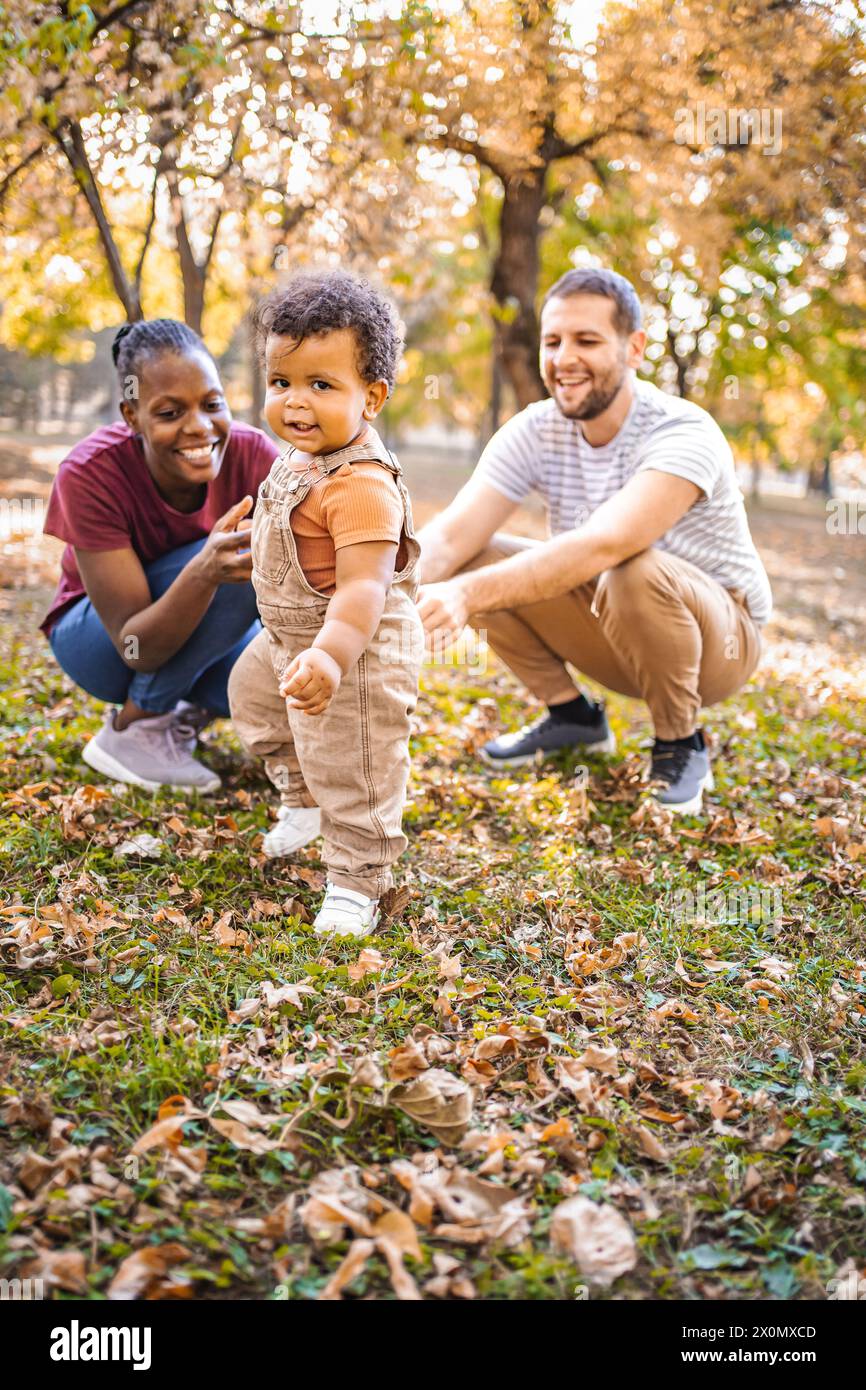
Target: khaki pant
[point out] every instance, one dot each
(655, 627)
(352, 761)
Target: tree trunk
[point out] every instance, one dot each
(192, 274)
(827, 478)
(71, 141)
(495, 389)
(193, 298)
(756, 476)
(681, 365)
(514, 284)
(820, 477)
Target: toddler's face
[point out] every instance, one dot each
(315, 398)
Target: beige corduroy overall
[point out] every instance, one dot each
(352, 761)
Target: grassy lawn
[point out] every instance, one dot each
(666, 1019)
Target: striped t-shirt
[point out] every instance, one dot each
(541, 450)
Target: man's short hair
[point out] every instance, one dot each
(627, 311)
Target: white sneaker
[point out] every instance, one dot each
(296, 826)
(346, 913)
(150, 753)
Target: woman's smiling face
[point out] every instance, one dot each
(315, 397)
(182, 416)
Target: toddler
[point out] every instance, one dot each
(326, 691)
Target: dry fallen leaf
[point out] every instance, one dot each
(664, 1117)
(337, 1200)
(478, 1211)
(165, 1134)
(400, 1229)
(274, 995)
(34, 1171)
(573, 1076)
(242, 1137)
(249, 1114)
(650, 1145)
(143, 846)
(598, 1239)
(358, 1254)
(601, 1059)
(777, 1140)
(224, 934)
(495, 1045)
(369, 962)
(672, 1008)
(60, 1269)
(438, 1102)
(146, 1274)
(407, 1060)
(680, 969)
(833, 828)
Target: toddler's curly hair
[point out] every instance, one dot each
(325, 302)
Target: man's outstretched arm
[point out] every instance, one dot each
(462, 530)
(629, 522)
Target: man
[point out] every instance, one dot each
(650, 583)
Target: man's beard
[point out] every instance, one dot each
(599, 396)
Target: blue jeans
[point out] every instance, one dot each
(198, 672)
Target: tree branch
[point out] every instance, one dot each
(6, 181)
(188, 263)
(139, 267)
(555, 147)
(105, 21)
(75, 152)
(220, 174)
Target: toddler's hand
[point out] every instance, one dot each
(311, 681)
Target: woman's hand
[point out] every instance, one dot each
(225, 557)
(311, 681)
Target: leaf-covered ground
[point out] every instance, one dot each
(201, 1100)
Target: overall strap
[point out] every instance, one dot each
(372, 451)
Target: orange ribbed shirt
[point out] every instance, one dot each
(360, 502)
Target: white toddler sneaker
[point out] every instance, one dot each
(346, 913)
(296, 826)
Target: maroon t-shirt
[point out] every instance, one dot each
(104, 498)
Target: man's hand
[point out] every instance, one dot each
(444, 608)
(311, 681)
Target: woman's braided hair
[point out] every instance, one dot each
(134, 343)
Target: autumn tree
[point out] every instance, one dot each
(148, 114)
(509, 87)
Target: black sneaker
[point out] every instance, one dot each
(547, 735)
(681, 773)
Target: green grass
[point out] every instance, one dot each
(125, 1001)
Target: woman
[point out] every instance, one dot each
(155, 602)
